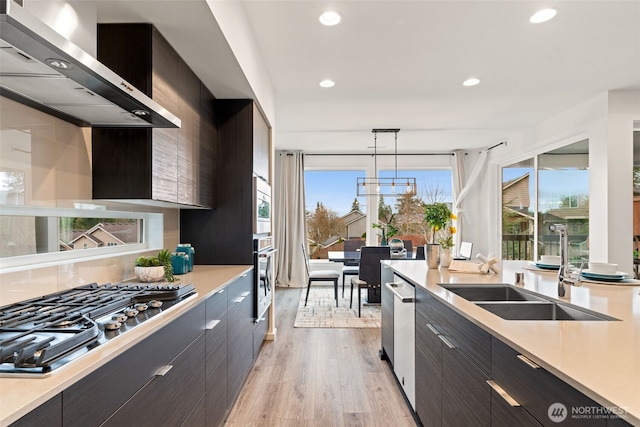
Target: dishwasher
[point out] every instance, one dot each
(404, 365)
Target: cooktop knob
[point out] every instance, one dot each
(119, 317)
(131, 312)
(155, 303)
(112, 325)
(141, 306)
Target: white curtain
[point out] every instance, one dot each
(289, 223)
(458, 184)
(461, 187)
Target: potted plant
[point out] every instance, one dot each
(155, 268)
(446, 242)
(437, 216)
(388, 231)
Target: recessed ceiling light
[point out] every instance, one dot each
(327, 83)
(330, 18)
(543, 15)
(471, 82)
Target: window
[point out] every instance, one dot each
(334, 213)
(33, 235)
(562, 181)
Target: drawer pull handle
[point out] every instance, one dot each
(245, 294)
(220, 291)
(446, 341)
(212, 325)
(239, 300)
(163, 371)
(503, 394)
(528, 361)
(433, 329)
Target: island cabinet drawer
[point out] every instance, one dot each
(546, 397)
(470, 339)
(93, 399)
(505, 414)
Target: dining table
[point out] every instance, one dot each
(353, 258)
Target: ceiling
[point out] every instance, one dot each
(401, 64)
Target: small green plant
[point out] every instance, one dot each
(161, 259)
(437, 217)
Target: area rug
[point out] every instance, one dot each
(321, 310)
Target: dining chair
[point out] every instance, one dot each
(408, 245)
(420, 252)
(320, 276)
(351, 268)
(369, 273)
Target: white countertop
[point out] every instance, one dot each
(18, 396)
(599, 358)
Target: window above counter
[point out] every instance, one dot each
(38, 236)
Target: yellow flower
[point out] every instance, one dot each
(436, 228)
(453, 216)
(452, 230)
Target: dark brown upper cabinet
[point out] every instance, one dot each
(224, 235)
(155, 165)
(261, 145)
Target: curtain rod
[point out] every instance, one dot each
(389, 154)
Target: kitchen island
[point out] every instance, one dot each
(19, 396)
(597, 358)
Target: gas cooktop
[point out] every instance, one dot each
(42, 334)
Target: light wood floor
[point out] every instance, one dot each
(319, 377)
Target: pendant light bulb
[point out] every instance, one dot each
(393, 186)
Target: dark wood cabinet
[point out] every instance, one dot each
(224, 235)
(189, 372)
(96, 397)
(386, 300)
(428, 373)
(48, 414)
(451, 388)
(170, 397)
(167, 165)
(466, 396)
(261, 145)
(216, 400)
(505, 415)
(536, 389)
(240, 338)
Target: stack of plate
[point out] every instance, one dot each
(547, 266)
(616, 277)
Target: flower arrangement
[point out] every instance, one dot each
(439, 218)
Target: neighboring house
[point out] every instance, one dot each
(95, 237)
(356, 223)
(516, 201)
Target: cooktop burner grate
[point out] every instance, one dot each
(43, 333)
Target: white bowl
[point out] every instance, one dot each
(550, 259)
(603, 268)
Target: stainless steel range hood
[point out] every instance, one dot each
(42, 69)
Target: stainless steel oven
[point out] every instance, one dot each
(263, 253)
(262, 207)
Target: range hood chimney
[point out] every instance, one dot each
(42, 69)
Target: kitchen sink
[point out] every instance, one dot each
(498, 292)
(540, 310)
(512, 303)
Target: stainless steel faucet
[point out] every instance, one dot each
(563, 271)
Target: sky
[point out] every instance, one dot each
(337, 189)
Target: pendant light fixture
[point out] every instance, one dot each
(385, 186)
